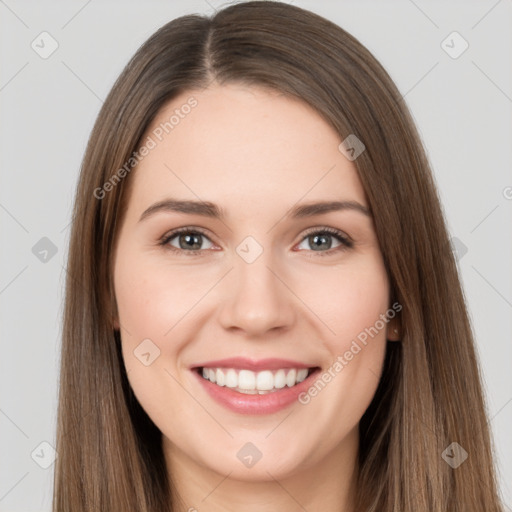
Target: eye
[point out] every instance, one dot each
(185, 240)
(189, 241)
(322, 239)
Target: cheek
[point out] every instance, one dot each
(346, 299)
(353, 303)
(154, 302)
(148, 307)
(152, 297)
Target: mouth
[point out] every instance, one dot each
(249, 387)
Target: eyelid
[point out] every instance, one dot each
(326, 229)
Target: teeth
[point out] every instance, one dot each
(231, 378)
(264, 381)
(291, 378)
(280, 379)
(302, 374)
(249, 382)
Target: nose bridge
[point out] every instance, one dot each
(257, 300)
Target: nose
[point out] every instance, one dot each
(256, 298)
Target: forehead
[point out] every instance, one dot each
(242, 143)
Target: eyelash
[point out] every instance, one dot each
(345, 242)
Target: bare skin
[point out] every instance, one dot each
(256, 154)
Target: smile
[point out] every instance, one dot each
(260, 387)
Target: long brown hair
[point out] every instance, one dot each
(430, 394)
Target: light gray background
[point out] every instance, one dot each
(463, 108)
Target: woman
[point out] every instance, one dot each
(215, 357)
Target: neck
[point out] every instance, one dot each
(328, 485)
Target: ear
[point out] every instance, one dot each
(394, 329)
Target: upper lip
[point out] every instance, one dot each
(244, 363)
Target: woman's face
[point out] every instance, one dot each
(253, 289)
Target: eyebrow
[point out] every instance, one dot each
(208, 209)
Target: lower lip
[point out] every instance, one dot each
(243, 403)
